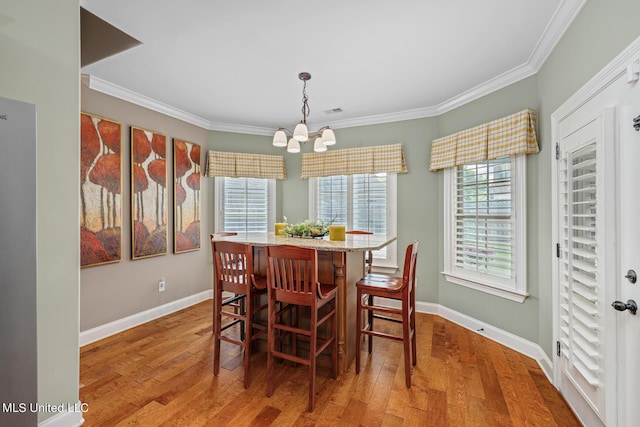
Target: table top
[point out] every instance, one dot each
(352, 243)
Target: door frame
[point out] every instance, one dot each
(613, 71)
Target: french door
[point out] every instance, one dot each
(597, 230)
(586, 347)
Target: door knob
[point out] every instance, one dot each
(630, 305)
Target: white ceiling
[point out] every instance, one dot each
(233, 65)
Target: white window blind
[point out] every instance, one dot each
(360, 202)
(370, 203)
(484, 218)
(244, 205)
(332, 199)
(485, 207)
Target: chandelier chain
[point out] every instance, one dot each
(305, 104)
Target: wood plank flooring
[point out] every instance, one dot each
(160, 374)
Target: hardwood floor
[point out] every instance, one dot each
(160, 374)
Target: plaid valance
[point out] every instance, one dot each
(514, 134)
(351, 161)
(245, 165)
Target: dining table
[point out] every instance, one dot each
(340, 262)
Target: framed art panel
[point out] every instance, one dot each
(100, 190)
(186, 196)
(148, 193)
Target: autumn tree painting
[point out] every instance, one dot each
(148, 193)
(186, 196)
(100, 190)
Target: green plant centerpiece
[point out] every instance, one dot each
(309, 229)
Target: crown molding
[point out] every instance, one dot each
(100, 85)
(557, 26)
(563, 17)
(250, 130)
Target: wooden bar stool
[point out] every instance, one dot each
(292, 274)
(234, 273)
(400, 289)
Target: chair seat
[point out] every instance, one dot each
(260, 282)
(377, 282)
(325, 290)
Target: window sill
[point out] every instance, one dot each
(384, 269)
(509, 294)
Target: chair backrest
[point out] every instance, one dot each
(292, 273)
(358, 232)
(233, 265)
(409, 271)
(223, 234)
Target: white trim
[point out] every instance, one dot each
(560, 22)
(562, 18)
(515, 288)
(117, 326)
(486, 287)
(599, 82)
(66, 418)
(218, 219)
(100, 85)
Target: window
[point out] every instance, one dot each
(245, 205)
(485, 226)
(360, 202)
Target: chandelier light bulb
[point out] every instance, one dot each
(294, 146)
(318, 145)
(328, 137)
(301, 133)
(280, 138)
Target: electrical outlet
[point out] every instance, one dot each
(161, 284)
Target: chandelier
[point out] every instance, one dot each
(322, 137)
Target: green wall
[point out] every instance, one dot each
(40, 51)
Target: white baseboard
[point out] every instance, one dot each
(69, 418)
(498, 335)
(111, 328)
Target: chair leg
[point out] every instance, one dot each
(406, 340)
(414, 351)
(358, 329)
(248, 336)
(217, 325)
(370, 320)
(334, 337)
(313, 357)
(271, 337)
(243, 311)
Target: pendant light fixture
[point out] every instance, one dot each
(322, 137)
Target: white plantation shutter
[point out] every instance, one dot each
(580, 270)
(369, 206)
(332, 199)
(360, 202)
(485, 227)
(484, 218)
(244, 205)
